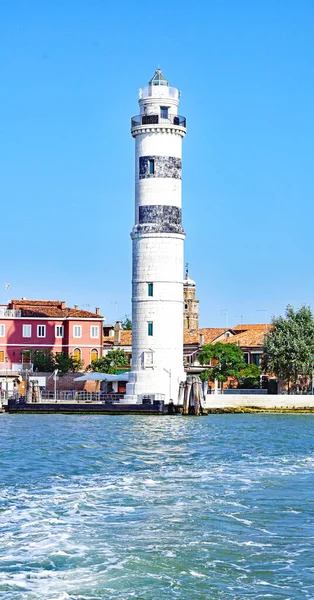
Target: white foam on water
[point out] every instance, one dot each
(96, 532)
(196, 574)
(232, 516)
(268, 532)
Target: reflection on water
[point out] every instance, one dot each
(97, 507)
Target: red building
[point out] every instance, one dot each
(48, 324)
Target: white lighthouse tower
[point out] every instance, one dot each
(158, 239)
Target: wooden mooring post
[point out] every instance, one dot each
(193, 394)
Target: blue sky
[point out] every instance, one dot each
(70, 73)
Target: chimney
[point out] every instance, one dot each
(117, 333)
(76, 306)
(62, 304)
(201, 339)
(97, 310)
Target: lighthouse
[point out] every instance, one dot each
(157, 246)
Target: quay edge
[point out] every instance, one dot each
(157, 408)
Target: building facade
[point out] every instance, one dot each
(250, 338)
(28, 325)
(157, 245)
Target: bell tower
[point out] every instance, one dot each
(191, 305)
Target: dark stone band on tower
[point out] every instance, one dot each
(160, 166)
(159, 218)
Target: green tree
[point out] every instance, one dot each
(46, 361)
(66, 364)
(249, 377)
(127, 323)
(289, 346)
(225, 360)
(111, 363)
(43, 360)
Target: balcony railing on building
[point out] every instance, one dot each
(8, 312)
(79, 396)
(158, 120)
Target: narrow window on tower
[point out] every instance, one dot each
(150, 289)
(151, 166)
(150, 327)
(164, 112)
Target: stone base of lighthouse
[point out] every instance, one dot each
(154, 385)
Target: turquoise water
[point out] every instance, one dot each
(154, 508)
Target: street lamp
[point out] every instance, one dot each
(55, 373)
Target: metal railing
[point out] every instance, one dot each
(157, 120)
(15, 368)
(234, 391)
(8, 312)
(79, 396)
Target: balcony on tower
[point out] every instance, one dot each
(158, 119)
(158, 107)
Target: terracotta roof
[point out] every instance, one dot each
(210, 334)
(50, 308)
(190, 337)
(247, 339)
(245, 327)
(125, 338)
(251, 337)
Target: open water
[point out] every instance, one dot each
(156, 508)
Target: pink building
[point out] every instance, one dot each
(48, 324)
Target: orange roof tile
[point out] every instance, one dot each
(50, 308)
(247, 339)
(245, 327)
(125, 338)
(210, 334)
(251, 337)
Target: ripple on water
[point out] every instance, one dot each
(107, 507)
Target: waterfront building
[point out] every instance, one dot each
(249, 337)
(27, 325)
(157, 241)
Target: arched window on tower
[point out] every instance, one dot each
(77, 354)
(93, 354)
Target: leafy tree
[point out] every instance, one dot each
(46, 361)
(66, 364)
(249, 377)
(289, 346)
(206, 375)
(127, 323)
(111, 363)
(43, 360)
(225, 360)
